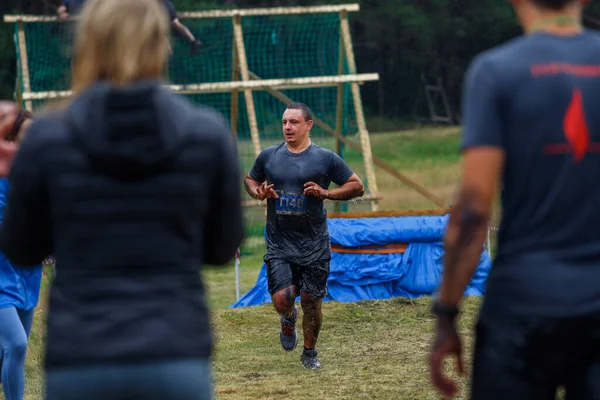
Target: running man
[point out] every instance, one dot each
(294, 177)
(532, 127)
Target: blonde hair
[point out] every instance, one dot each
(120, 41)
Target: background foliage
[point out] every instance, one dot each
(402, 40)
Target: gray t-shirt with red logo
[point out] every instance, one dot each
(537, 98)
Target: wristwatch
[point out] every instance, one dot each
(444, 311)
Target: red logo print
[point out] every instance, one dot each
(576, 131)
(575, 127)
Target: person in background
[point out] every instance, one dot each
(70, 8)
(132, 189)
(532, 130)
(180, 29)
(19, 294)
(295, 177)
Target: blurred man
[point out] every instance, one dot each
(294, 177)
(181, 30)
(70, 8)
(532, 127)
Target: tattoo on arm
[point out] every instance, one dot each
(463, 244)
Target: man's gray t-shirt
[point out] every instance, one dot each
(536, 98)
(297, 224)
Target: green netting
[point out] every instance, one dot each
(276, 47)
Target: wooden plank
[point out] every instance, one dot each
(224, 87)
(233, 121)
(247, 12)
(365, 142)
(387, 249)
(339, 102)
(248, 96)
(393, 213)
(24, 63)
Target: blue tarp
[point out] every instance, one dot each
(355, 277)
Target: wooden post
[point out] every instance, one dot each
(24, 63)
(250, 110)
(234, 93)
(358, 109)
(339, 105)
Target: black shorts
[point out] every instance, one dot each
(530, 358)
(311, 279)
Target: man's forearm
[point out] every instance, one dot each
(183, 31)
(251, 187)
(464, 240)
(347, 191)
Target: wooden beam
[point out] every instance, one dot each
(233, 121)
(247, 12)
(243, 62)
(378, 162)
(339, 102)
(358, 109)
(394, 213)
(224, 87)
(24, 63)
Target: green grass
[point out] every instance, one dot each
(369, 350)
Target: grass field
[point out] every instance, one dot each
(369, 350)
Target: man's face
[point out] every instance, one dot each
(295, 126)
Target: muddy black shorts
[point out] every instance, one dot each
(311, 279)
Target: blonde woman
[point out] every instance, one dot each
(132, 189)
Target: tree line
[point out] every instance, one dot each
(408, 42)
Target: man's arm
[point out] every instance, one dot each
(251, 187)
(467, 227)
(182, 30)
(483, 161)
(350, 185)
(255, 182)
(351, 189)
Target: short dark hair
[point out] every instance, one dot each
(303, 107)
(552, 4)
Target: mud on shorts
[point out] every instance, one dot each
(307, 278)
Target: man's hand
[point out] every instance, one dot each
(312, 189)
(62, 13)
(195, 46)
(266, 192)
(447, 343)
